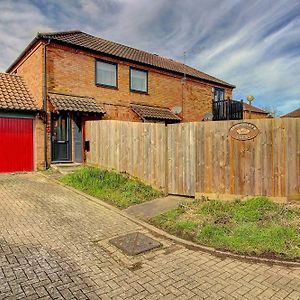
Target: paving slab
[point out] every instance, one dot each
(54, 244)
(157, 206)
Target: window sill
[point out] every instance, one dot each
(107, 86)
(139, 92)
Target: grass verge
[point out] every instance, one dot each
(118, 189)
(257, 226)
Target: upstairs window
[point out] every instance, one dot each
(219, 94)
(138, 80)
(106, 74)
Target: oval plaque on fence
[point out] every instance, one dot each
(243, 131)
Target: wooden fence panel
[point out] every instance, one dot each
(181, 159)
(267, 165)
(134, 148)
(202, 158)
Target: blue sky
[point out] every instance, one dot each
(252, 44)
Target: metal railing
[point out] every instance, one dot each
(227, 110)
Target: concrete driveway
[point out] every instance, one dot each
(54, 245)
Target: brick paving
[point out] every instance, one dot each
(54, 245)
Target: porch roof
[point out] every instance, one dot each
(154, 112)
(62, 102)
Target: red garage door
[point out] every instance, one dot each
(16, 144)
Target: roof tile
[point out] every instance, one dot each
(90, 42)
(62, 102)
(14, 94)
(293, 114)
(153, 112)
(247, 107)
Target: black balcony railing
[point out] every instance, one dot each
(227, 110)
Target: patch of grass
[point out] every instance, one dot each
(115, 188)
(186, 225)
(257, 226)
(168, 219)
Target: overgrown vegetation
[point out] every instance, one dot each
(257, 226)
(118, 189)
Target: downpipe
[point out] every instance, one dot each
(45, 106)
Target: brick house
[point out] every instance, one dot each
(74, 77)
(293, 114)
(256, 113)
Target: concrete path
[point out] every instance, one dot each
(54, 244)
(156, 207)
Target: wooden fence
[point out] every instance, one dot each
(131, 147)
(181, 158)
(202, 158)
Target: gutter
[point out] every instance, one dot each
(45, 105)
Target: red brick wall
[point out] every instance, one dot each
(73, 72)
(39, 143)
(30, 68)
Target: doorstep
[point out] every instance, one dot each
(66, 167)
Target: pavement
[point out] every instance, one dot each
(54, 244)
(156, 207)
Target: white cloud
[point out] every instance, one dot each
(252, 44)
(19, 22)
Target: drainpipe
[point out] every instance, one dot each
(45, 105)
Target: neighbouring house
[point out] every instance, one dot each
(73, 77)
(253, 112)
(293, 114)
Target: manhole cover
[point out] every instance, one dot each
(134, 243)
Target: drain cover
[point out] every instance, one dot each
(134, 243)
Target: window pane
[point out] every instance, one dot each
(63, 129)
(216, 96)
(106, 73)
(219, 94)
(138, 80)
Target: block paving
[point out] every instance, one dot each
(54, 244)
